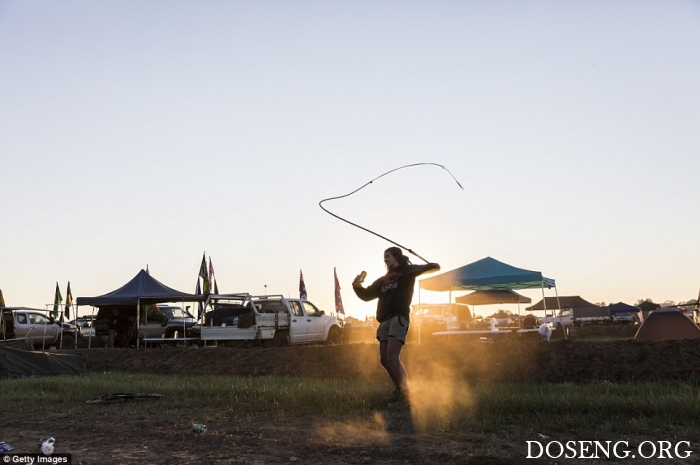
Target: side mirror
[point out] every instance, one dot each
(322, 313)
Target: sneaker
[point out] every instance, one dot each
(399, 397)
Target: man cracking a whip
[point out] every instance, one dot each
(394, 292)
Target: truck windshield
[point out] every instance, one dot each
(430, 311)
(176, 313)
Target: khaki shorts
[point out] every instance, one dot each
(394, 328)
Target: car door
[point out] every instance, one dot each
(298, 323)
(315, 324)
(22, 327)
(43, 330)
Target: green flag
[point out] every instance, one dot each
(58, 298)
(203, 273)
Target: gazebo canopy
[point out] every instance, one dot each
(144, 288)
(487, 274)
(555, 303)
(493, 297)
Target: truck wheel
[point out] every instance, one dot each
(68, 342)
(334, 336)
(280, 339)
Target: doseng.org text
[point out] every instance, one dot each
(608, 450)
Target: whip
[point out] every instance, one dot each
(320, 204)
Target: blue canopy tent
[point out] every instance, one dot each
(484, 275)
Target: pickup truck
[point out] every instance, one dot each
(180, 321)
(432, 318)
(270, 321)
(41, 329)
(581, 316)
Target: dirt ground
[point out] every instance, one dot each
(387, 436)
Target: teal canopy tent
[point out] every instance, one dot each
(486, 274)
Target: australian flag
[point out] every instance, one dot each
(302, 287)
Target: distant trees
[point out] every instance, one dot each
(504, 314)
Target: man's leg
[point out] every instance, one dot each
(396, 369)
(384, 360)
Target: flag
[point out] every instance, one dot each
(212, 281)
(58, 298)
(69, 301)
(339, 310)
(2, 299)
(302, 287)
(200, 310)
(204, 275)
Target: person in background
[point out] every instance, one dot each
(113, 325)
(394, 292)
(545, 332)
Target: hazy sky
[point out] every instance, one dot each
(137, 133)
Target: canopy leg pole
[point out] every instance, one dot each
(94, 327)
(544, 301)
(566, 336)
(138, 320)
(420, 301)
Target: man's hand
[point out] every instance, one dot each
(360, 278)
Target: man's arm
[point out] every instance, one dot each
(366, 293)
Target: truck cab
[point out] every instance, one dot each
(307, 323)
(442, 317)
(42, 330)
(579, 316)
(427, 319)
(274, 320)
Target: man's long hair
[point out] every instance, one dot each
(399, 256)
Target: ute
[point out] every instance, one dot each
(180, 321)
(41, 329)
(274, 320)
(428, 319)
(580, 316)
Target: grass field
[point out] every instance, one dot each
(471, 422)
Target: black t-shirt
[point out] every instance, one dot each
(394, 290)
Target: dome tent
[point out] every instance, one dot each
(665, 324)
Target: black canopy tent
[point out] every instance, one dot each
(622, 307)
(143, 288)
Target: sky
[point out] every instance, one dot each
(150, 134)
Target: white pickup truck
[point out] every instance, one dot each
(427, 319)
(444, 317)
(274, 320)
(38, 327)
(568, 317)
